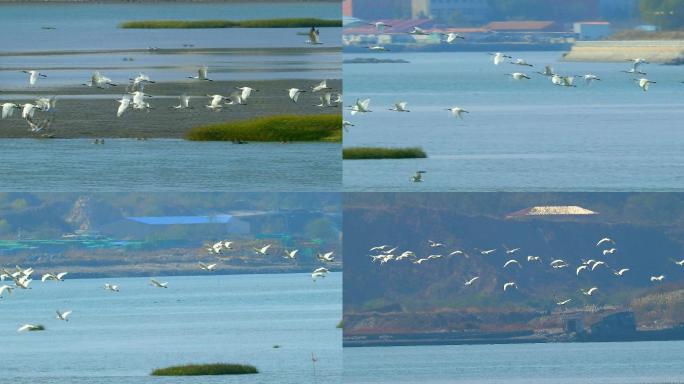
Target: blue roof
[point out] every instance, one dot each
(171, 220)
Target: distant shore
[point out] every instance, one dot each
(655, 51)
(81, 117)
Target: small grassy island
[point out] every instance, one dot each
(322, 128)
(376, 153)
(257, 23)
(206, 369)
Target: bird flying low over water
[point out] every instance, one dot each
(499, 57)
(457, 112)
(418, 177)
(294, 94)
(361, 106)
(158, 284)
(508, 285)
(471, 281)
(326, 257)
(314, 36)
(605, 240)
(263, 250)
(201, 74)
(400, 107)
(29, 327)
(589, 291)
(34, 76)
(207, 267)
(64, 316)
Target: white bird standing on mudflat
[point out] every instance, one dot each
(499, 57)
(263, 250)
(8, 109)
(207, 267)
(294, 93)
(201, 74)
(518, 76)
(644, 83)
(471, 281)
(400, 107)
(361, 106)
(158, 284)
(64, 316)
(124, 103)
(511, 284)
(33, 76)
(457, 112)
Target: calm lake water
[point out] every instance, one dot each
(121, 337)
(93, 27)
(167, 165)
(529, 136)
(585, 363)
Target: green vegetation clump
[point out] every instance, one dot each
(340, 325)
(375, 153)
(205, 369)
(273, 128)
(257, 23)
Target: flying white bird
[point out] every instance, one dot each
(597, 264)
(418, 177)
(216, 103)
(511, 251)
(361, 106)
(658, 278)
(419, 31)
(294, 93)
(28, 110)
(605, 240)
(263, 250)
(64, 316)
(29, 327)
(314, 36)
(680, 263)
(510, 285)
(246, 92)
(434, 244)
(33, 76)
(548, 71)
(400, 107)
(471, 281)
(158, 284)
(620, 272)
(644, 83)
(322, 86)
(124, 103)
(420, 261)
(512, 261)
(563, 302)
(590, 291)
(207, 267)
(581, 268)
(521, 62)
(380, 26)
(457, 112)
(518, 76)
(533, 258)
(590, 78)
(184, 102)
(111, 287)
(434, 257)
(378, 248)
(52, 276)
(8, 109)
(458, 252)
(486, 252)
(201, 74)
(291, 254)
(326, 257)
(609, 251)
(346, 124)
(452, 37)
(98, 80)
(499, 57)
(325, 100)
(7, 288)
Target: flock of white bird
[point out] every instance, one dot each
(135, 98)
(384, 254)
(362, 106)
(221, 248)
(23, 277)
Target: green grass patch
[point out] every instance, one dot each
(373, 153)
(326, 128)
(205, 369)
(257, 23)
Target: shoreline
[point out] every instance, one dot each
(655, 51)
